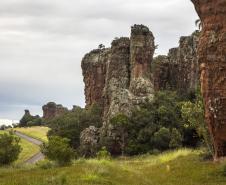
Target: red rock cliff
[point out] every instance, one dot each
(212, 58)
(52, 110)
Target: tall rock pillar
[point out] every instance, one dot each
(212, 59)
(142, 49)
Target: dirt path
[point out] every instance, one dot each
(37, 157)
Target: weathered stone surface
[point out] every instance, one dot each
(115, 94)
(94, 73)
(179, 70)
(119, 78)
(89, 141)
(212, 58)
(142, 49)
(52, 110)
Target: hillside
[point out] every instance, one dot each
(36, 132)
(171, 168)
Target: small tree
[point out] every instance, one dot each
(101, 46)
(162, 139)
(121, 122)
(58, 149)
(176, 139)
(103, 154)
(9, 148)
(193, 115)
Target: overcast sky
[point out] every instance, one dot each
(42, 43)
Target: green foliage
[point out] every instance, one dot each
(58, 149)
(224, 170)
(71, 124)
(176, 139)
(121, 122)
(153, 122)
(103, 154)
(9, 148)
(162, 138)
(179, 167)
(193, 116)
(45, 164)
(28, 121)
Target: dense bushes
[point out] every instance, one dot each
(9, 148)
(28, 120)
(71, 124)
(193, 117)
(158, 125)
(165, 123)
(58, 149)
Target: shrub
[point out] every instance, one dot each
(121, 122)
(103, 154)
(193, 117)
(45, 164)
(9, 148)
(176, 139)
(58, 149)
(71, 124)
(162, 139)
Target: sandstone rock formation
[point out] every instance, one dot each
(52, 110)
(119, 78)
(89, 141)
(179, 70)
(212, 58)
(94, 71)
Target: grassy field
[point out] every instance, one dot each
(28, 150)
(182, 167)
(35, 132)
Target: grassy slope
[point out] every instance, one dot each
(28, 150)
(181, 167)
(35, 132)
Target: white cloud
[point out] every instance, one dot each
(42, 43)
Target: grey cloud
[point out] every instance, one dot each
(42, 43)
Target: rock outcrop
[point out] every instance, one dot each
(212, 58)
(119, 78)
(89, 141)
(52, 110)
(94, 72)
(179, 70)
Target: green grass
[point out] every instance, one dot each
(28, 150)
(182, 167)
(35, 132)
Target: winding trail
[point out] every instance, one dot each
(38, 156)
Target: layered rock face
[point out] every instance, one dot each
(52, 110)
(212, 58)
(94, 73)
(142, 49)
(179, 70)
(119, 78)
(89, 141)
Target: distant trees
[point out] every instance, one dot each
(9, 148)
(71, 124)
(58, 149)
(28, 120)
